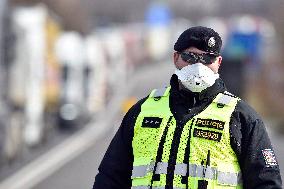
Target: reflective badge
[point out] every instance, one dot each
(210, 135)
(210, 123)
(152, 122)
(269, 157)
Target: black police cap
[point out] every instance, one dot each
(200, 37)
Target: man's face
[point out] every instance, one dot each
(180, 63)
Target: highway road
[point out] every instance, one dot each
(73, 163)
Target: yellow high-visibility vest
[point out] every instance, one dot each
(209, 159)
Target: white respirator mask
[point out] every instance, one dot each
(196, 77)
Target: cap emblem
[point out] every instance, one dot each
(211, 42)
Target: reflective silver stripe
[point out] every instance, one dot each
(202, 171)
(210, 173)
(161, 168)
(159, 92)
(140, 187)
(199, 171)
(194, 171)
(142, 170)
(225, 99)
(180, 169)
(229, 178)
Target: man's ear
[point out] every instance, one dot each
(175, 58)
(219, 59)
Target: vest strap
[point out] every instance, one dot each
(225, 99)
(160, 92)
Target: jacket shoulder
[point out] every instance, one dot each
(246, 112)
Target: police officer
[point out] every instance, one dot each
(193, 134)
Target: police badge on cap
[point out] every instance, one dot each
(211, 42)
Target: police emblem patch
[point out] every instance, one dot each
(269, 157)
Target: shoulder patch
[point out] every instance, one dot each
(152, 122)
(269, 157)
(210, 135)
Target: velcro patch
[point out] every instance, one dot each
(269, 157)
(210, 123)
(152, 122)
(210, 135)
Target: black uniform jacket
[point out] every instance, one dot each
(249, 140)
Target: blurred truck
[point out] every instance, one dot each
(34, 73)
(70, 51)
